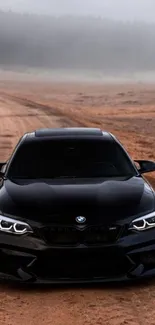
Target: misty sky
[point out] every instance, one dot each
(116, 9)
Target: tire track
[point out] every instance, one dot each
(17, 119)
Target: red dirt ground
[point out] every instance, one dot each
(128, 111)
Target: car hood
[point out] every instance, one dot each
(106, 199)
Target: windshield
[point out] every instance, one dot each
(71, 158)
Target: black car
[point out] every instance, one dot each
(74, 208)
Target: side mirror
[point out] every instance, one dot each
(146, 166)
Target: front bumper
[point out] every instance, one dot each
(30, 259)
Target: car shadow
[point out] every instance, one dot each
(123, 286)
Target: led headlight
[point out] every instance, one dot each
(143, 223)
(13, 226)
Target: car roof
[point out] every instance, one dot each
(65, 133)
(68, 132)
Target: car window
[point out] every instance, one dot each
(70, 158)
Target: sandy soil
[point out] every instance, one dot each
(128, 111)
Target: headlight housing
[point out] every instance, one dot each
(143, 223)
(13, 226)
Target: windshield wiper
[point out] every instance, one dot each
(63, 177)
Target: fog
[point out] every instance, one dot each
(89, 46)
(113, 9)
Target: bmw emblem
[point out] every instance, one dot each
(80, 219)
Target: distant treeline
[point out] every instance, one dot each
(76, 43)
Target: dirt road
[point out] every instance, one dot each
(127, 111)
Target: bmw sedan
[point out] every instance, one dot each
(75, 208)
